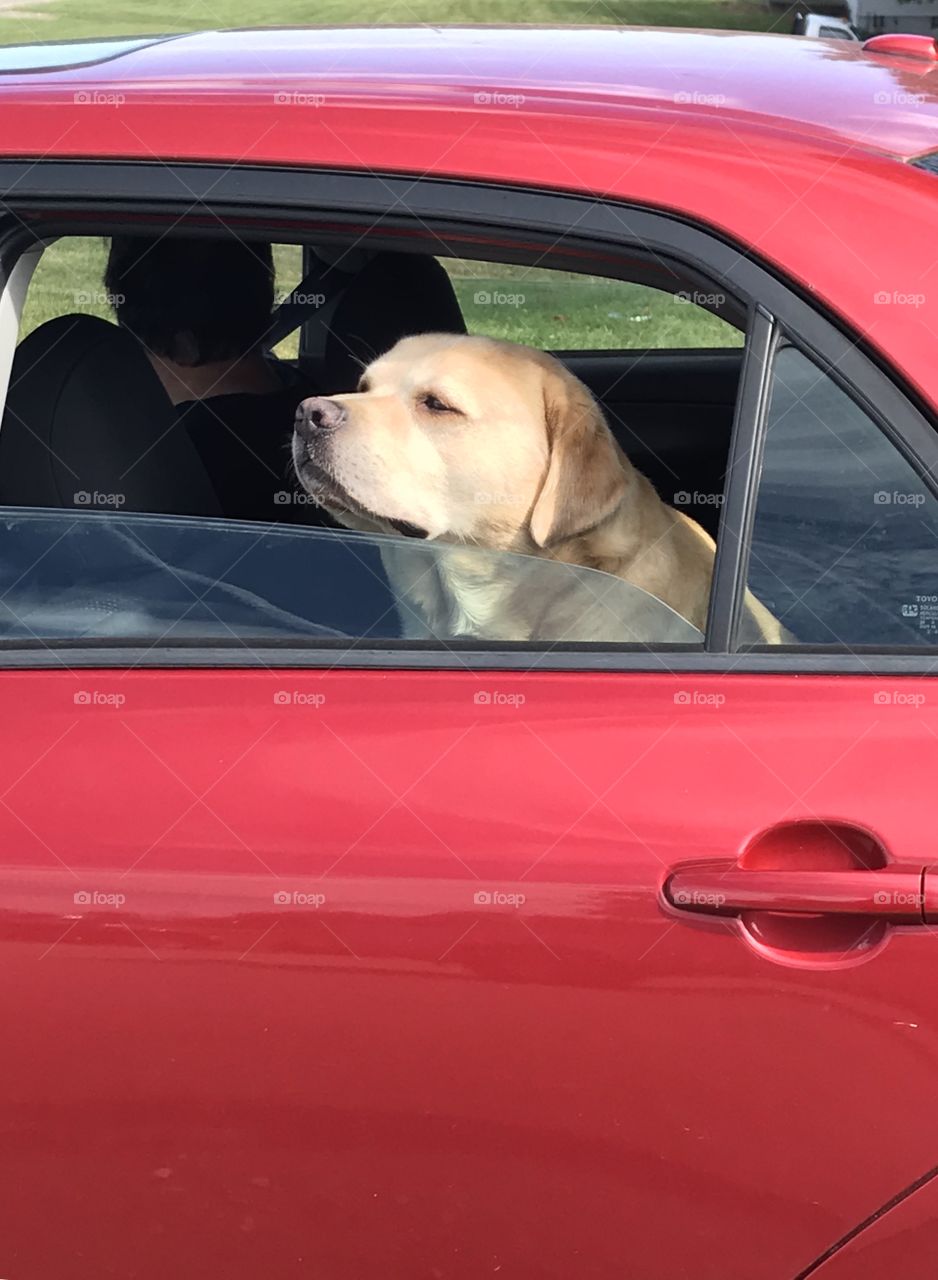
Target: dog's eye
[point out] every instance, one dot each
(436, 405)
(363, 385)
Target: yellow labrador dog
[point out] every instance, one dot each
(475, 443)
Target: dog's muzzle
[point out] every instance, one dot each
(316, 420)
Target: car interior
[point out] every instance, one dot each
(83, 398)
(86, 411)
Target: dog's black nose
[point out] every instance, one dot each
(319, 414)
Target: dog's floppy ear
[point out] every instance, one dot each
(585, 480)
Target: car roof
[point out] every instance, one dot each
(787, 147)
(809, 89)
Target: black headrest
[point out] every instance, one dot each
(88, 424)
(393, 296)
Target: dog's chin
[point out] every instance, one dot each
(405, 528)
(327, 491)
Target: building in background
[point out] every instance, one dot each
(850, 19)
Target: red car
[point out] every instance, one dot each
(328, 952)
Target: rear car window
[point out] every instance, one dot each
(132, 516)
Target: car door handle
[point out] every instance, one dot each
(885, 893)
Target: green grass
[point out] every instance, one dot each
(74, 19)
(553, 310)
(558, 311)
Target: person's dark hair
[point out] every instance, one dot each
(192, 301)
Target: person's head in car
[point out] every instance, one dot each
(200, 308)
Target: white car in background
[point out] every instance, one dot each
(823, 27)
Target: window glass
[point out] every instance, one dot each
(182, 580)
(567, 311)
(56, 55)
(845, 544)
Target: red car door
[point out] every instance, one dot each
(378, 977)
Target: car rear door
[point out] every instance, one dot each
(411, 963)
(364, 974)
(455, 961)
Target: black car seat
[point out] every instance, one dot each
(86, 415)
(361, 305)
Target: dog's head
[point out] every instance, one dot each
(464, 439)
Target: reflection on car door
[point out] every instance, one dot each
(361, 973)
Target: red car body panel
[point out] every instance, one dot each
(900, 1242)
(402, 1080)
(706, 124)
(387, 1074)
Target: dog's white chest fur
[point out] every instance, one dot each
(476, 600)
(448, 593)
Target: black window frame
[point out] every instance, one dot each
(60, 196)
